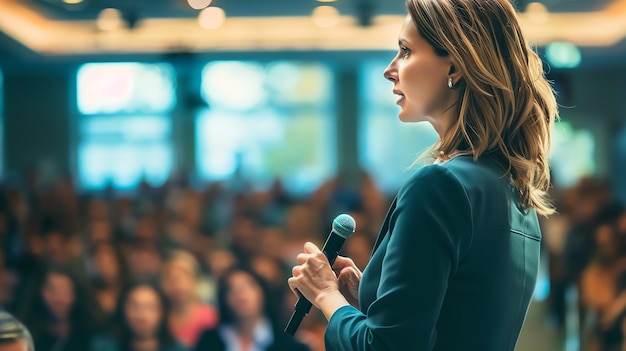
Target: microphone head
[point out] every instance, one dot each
(344, 225)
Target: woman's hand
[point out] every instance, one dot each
(349, 277)
(314, 279)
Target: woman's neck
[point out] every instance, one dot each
(144, 344)
(245, 327)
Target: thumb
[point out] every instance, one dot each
(309, 247)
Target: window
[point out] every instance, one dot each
(572, 154)
(124, 131)
(267, 121)
(387, 146)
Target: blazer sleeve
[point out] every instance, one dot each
(429, 230)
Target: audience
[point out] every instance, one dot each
(56, 311)
(246, 321)
(142, 318)
(189, 315)
(67, 259)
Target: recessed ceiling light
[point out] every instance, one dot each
(537, 12)
(109, 19)
(211, 18)
(326, 0)
(325, 16)
(72, 2)
(199, 4)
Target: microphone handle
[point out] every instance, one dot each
(303, 306)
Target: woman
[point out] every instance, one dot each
(244, 321)
(58, 317)
(455, 264)
(189, 315)
(109, 277)
(141, 314)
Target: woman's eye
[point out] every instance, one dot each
(405, 51)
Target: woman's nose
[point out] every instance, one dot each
(391, 72)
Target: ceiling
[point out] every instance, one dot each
(52, 29)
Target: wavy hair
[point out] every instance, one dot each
(507, 107)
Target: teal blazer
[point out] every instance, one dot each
(453, 268)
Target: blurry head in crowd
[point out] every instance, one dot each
(242, 297)
(179, 277)
(146, 228)
(61, 295)
(273, 242)
(608, 247)
(108, 265)
(144, 259)
(301, 222)
(271, 269)
(13, 335)
(142, 311)
(245, 236)
(219, 262)
(100, 230)
(359, 248)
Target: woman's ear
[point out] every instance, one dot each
(456, 75)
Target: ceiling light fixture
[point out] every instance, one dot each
(211, 18)
(109, 19)
(326, 0)
(325, 16)
(537, 12)
(72, 2)
(199, 4)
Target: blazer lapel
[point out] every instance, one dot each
(384, 229)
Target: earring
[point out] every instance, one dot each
(450, 84)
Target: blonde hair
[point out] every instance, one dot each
(507, 107)
(12, 330)
(185, 260)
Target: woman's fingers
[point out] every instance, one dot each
(292, 285)
(343, 262)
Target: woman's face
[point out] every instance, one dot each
(420, 80)
(245, 297)
(106, 264)
(143, 312)
(178, 281)
(58, 294)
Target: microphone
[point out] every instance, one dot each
(343, 226)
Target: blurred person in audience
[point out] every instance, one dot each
(99, 231)
(591, 206)
(13, 335)
(58, 316)
(621, 227)
(124, 217)
(219, 261)
(274, 272)
(245, 238)
(244, 321)
(108, 278)
(7, 282)
(273, 242)
(302, 224)
(142, 319)
(600, 281)
(359, 248)
(188, 315)
(143, 258)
